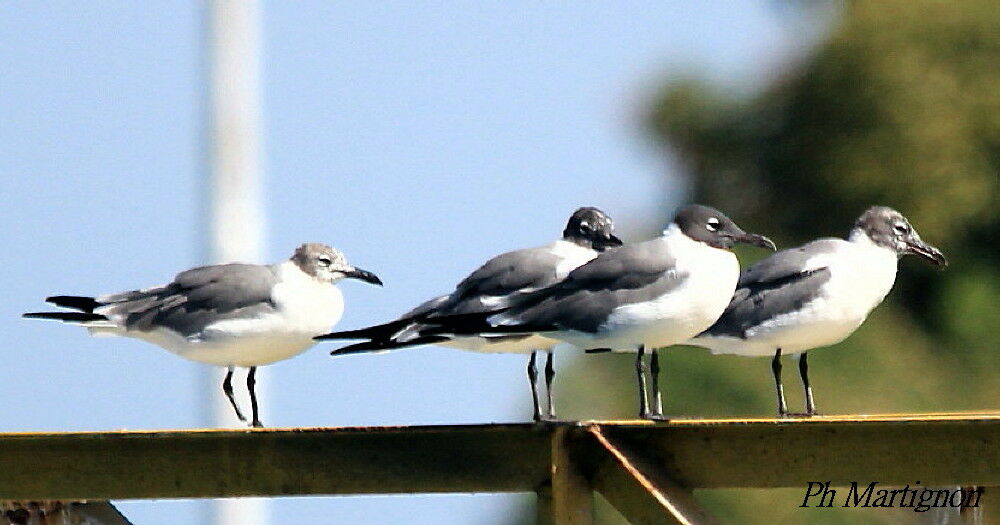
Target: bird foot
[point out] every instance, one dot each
(549, 420)
(797, 414)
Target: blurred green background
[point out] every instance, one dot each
(900, 105)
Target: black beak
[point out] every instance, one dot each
(363, 275)
(755, 239)
(609, 242)
(926, 251)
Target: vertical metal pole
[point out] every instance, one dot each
(572, 498)
(234, 216)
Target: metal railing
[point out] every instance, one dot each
(647, 471)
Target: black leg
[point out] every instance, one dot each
(776, 370)
(550, 374)
(804, 374)
(640, 371)
(533, 379)
(227, 387)
(654, 370)
(251, 385)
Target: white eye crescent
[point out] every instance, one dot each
(713, 224)
(900, 228)
(325, 261)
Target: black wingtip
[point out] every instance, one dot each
(357, 348)
(75, 302)
(382, 346)
(380, 331)
(346, 334)
(68, 317)
(478, 324)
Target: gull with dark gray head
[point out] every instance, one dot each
(815, 295)
(229, 315)
(502, 282)
(650, 294)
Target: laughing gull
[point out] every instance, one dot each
(227, 315)
(652, 294)
(502, 282)
(815, 295)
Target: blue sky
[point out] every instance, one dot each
(419, 140)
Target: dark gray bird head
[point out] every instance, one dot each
(712, 227)
(888, 228)
(592, 228)
(327, 264)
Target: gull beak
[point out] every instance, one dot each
(756, 240)
(610, 242)
(363, 275)
(922, 249)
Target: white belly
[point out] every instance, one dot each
(246, 350)
(494, 345)
(861, 275)
(305, 309)
(676, 316)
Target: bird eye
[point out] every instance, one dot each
(900, 228)
(713, 224)
(585, 227)
(325, 261)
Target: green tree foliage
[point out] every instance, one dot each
(900, 106)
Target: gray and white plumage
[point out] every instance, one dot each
(655, 293)
(501, 282)
(815, 295)
(229, 314)
(650, 294)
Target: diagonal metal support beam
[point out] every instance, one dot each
(638, 487)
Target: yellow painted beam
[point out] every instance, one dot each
(273, 462)
(935, 449)
(938, 449)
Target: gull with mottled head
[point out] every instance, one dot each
(815, 295)
(229, 315)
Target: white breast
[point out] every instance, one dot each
(305, 308)
(861, 275)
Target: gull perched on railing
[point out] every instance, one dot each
(815, 295)
(228, 315)
(501, 282)
(650, 294)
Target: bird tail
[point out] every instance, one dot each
(84, 315)
(75, 302)
(479, 324)
(381, 332)
(385, 346)
(66, 317)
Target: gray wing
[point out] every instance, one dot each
(773, 286)
(584, 300)
(508, 277)
(195, 299)
(785, 263)
(426, 307)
